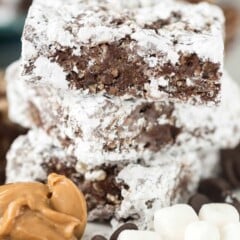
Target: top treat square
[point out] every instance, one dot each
(170, 50)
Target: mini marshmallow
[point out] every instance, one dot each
(231, 232)
(138, 235)
(219, 214)
(171, 222)
(201, 231)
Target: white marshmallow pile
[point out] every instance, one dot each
(180, 222)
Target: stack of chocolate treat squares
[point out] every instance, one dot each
(127, 98)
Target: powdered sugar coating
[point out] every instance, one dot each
(150, 187)
(145, 182)
(98, 129)
(155, 36)
(15, 95)
(132, 4)
(210, 162)
(30, 157)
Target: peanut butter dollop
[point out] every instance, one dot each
(35, 211)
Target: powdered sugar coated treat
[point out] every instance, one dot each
(152, 52)
(98, 128)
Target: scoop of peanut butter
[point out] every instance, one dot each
(35, 211)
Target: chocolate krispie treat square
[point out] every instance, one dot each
(96, 128)
(168, 50)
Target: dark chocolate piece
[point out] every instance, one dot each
(197, 201)
(127, 226)
(231, 199)
(214, 188)
(24, 5)
(98, 237)
(230, 163)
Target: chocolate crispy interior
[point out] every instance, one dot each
(103, 197)
(118, 70)
(117, 74)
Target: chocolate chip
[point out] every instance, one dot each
(236, 204)
(230, 162)
(197, 201)
(98, 237)
(214, 189)
(231, 199)
(127, 226)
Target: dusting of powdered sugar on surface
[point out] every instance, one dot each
(24, 160)
(76, 24)
(89, 121)
(16, 94)
(151, 189)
